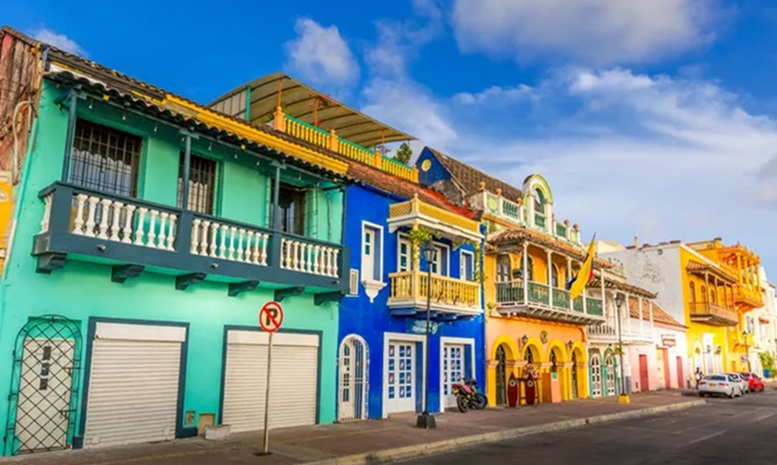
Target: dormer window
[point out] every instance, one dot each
(539, 202)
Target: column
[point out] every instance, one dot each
(550, 278)
(650, 311)
(529, 203)
(187, 157)
(601, 286)
(525, 259)
(707, 286)
(569, 278)
(641, 320)
(627, 310)
(70, 136)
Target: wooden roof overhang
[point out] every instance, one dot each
(705, 269)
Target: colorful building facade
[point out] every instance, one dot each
(531, 322)
(149, 232)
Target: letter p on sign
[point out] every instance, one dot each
(271, 317)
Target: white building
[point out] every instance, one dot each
(762, 324)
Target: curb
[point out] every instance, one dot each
(448, 445)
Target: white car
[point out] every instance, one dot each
(744, 385)
(718, 385)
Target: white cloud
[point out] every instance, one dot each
(625, 153)
(594, 32)
(321, 56)
(60, 41)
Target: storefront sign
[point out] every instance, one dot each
(668, 340)
(419, 327)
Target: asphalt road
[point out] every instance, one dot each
(741, 430)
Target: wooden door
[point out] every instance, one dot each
(667, 372)
(644, 378)
(680, 377)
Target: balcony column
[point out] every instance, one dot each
(628, 313)
(276, 220)
(549, 220)
(500, 208)
(569, 278)
(550, 278)
(641, 317)
(707, 286)
(70, 136)
(739, 270)
(187, 161)
(525, 273)
(529, 203)
(601, 286)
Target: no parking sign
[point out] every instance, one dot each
(270, 320)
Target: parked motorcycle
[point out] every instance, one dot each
(468, 397)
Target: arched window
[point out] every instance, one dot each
(539, 201)
(693, 293)
(503, 266)
(704, 293)
(713, 296)
(554, 276)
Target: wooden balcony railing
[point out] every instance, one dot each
(511, 292)
(712, 314)
(331, 141)
(410, 287)
(86, 222)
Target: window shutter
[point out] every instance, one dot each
(353, 283)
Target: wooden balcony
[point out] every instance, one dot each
(548, 304)
(738, 338)
(133, 234)
(631, 332)
(449, 296)
(748, 297)
(446, 224)
(712, 314)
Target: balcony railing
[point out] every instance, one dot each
(331, 141)
(409, 288)
(737, 338)
(510, 298)
(85, 222)
(712, 314)
(629, 332)
(443, 221)
(516, 213)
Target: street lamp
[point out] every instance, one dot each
(623, 398)
(425, 420)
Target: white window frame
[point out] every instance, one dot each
(447, 271)
(372, 286)
(462, 262)
(404, 238)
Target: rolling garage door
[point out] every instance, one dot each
(294, 384)
(133, 385)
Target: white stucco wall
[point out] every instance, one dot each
(656, 269)
(679, 350)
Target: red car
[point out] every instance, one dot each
(756, 384)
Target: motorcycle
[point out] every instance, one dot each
(468, 397)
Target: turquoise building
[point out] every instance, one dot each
(147, 234)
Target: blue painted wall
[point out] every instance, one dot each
(372, 319)
(436, 171)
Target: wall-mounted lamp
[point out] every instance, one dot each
(524, 339)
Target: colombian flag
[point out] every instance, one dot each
(577, 284)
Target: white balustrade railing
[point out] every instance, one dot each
(229, 242)
(308, 257)
(113, 220)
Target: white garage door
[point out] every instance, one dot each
(133, 387)
(294, 384)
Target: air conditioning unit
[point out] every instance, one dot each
(353, 282)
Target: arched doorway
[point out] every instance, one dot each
(352, 392)
(596, 375)
(609, 363)
(44, 386)
(501, 375)
(575, 393)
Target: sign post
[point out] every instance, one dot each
(270, 319)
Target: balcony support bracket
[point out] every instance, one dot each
(184, 281)
(49, 262)
(120, 273)
(236, 288)
(325, 297)
(281, 294)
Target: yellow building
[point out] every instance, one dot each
(707, 286)
(742, 294)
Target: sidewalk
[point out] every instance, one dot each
(371, 441)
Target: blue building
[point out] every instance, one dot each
(382, 322)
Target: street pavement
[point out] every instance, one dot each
(741, 430)
(359, 443)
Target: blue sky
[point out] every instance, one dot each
(656, 119)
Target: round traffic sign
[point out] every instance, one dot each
(271, 317)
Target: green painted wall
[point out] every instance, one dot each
(82, 290)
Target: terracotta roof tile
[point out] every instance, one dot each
(469, 178)
(621, 286)
(698, 267)
(660, 315)
(519, 234)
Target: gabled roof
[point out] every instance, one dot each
(403, 188)
(660, 315)
(304, 103)
(469, 178)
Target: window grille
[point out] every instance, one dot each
(202, 184)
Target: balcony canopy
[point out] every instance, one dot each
(307, 104)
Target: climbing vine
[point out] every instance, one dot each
(418, 237)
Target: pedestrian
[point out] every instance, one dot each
(699, 376)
